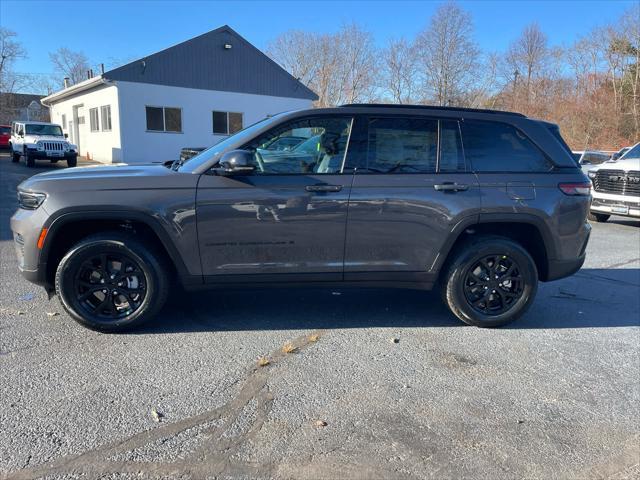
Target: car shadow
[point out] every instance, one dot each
(630, 222)
(589, 299)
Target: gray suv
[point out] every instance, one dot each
(480, 203)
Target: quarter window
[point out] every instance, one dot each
(164, 119)
(320, 149)
(402, 145)
(226, 123)
(499, 147)
(93, 120)
(105, 117)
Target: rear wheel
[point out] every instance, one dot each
(110, 282)
(598, 217)
(490, 282)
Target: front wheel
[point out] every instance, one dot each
(72, 161)
(491, 281)
(15, 157)
(31, 162)
(598, 217)
(111, 282)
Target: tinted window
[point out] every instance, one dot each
(402, 145)
(451, 154)
(498, 147)
(235, 122)
(36, 129)
(155, 118)
(220, 123)
(324, 153)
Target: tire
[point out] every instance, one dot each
(149, 278)
(459, 287)
(598, 217)
(72, 161)
(31, 162)
(15, 157)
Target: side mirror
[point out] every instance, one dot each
(66, 135)
(236, 162)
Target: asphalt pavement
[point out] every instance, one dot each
(379, 383)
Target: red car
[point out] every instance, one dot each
(5, 135)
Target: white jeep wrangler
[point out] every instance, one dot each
(39, 140)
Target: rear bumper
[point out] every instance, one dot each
(564, 268)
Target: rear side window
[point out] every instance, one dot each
(499, 147)
(402, 145)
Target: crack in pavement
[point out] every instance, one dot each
(210, 458)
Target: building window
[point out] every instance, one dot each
(94, 124)
(164, 119)
(64, 121)
(105, 117)
(226, 123)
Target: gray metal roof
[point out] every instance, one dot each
(204, 63)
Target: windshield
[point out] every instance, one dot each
(36, 129)
(633, 153)
(5, 130)
(236, 139)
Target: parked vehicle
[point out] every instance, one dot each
(188, 153)
(5, 136)
(33, 141)
(620, 153)
(392, 199)
(589, 158)
(616, 187)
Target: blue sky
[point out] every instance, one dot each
(124, 30)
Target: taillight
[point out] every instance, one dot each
(575, 188)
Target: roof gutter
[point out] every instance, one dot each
(74, 89)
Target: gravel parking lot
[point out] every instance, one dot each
(555, 395)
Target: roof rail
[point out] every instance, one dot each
(431, 107)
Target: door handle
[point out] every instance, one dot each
(450, 187)
(323, 188)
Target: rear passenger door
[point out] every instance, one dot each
(411, 187)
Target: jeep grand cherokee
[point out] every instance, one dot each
(480, 203)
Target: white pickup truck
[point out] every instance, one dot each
(616, 187)
(33, 141)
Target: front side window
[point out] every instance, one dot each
(321, 148)
(93, 119)
(499, 147)
(227, 123)
(402, 145)
(105, 117)
(164, 119)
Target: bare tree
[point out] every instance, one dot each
(448, 54)
(399, 71)
(339, 67)
(10, 51)
(70, 64)
(528, 54)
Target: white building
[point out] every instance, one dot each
(190, 95)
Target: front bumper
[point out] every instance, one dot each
(44, 155)
(26, 226)
(612, 204)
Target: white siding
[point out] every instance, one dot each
(139, 145)
(102, 146)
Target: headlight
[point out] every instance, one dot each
(40, 146)
(30, 200)
(592, 174)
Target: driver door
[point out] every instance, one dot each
(286, 220)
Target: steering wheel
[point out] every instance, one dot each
(260, 161)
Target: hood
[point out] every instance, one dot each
(47, 138)
(625, 164)
(108, 177)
